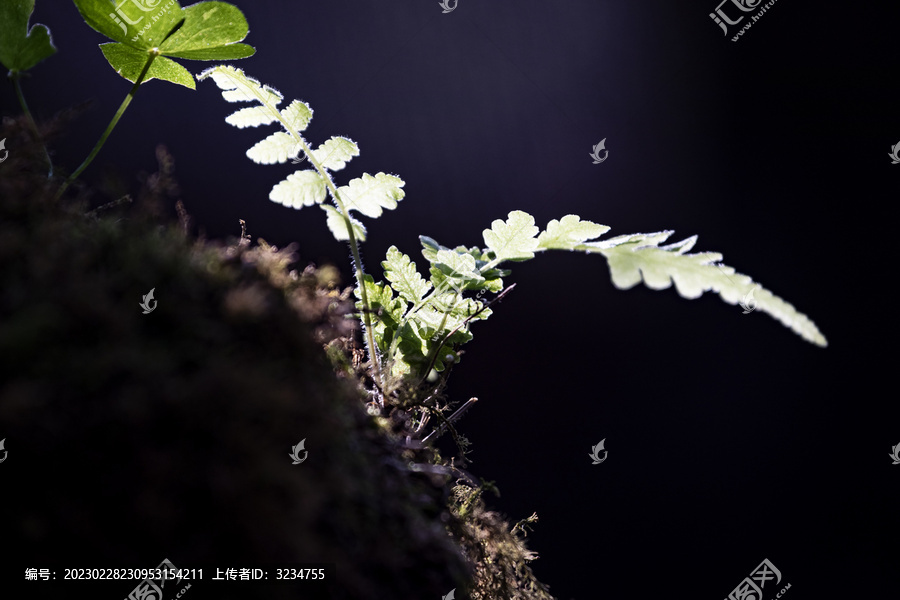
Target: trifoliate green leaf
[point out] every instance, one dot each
(568, 232)
(21, 48)
(276, 148)
(369, 195)
(335, 153)
(129, 63)
(338, 226)
(401, 271)
(303, 188)
(513, 239)
(297, 115)
(161, 28)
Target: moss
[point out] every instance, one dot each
(135, 437)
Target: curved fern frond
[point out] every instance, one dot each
(425, 331)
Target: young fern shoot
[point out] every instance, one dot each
(368, 195)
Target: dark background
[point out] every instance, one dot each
(730, 438)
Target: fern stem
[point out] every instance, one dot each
(15, 76)
(374, 358)
(112, 124)
(371, 348)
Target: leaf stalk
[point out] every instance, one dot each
(112, 124)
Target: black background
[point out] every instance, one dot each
(730, 438)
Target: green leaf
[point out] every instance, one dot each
(21, 48)
(210, 32)
(568, 232)
(338, 226)
(129, 63)
(401, 271)
(335, 153)
(513, 239)
(369, 195)
(202, 31)
(303, 188)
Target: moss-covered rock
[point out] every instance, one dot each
(135, 437)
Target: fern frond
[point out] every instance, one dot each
(438, 320)
(369, 195)
(637, 258)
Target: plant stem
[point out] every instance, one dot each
(15, 75)
(374, 358)
(112, 124)
(371, 348)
